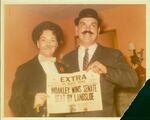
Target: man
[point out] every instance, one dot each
(107, 62)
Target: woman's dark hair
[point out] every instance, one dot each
(47, 25)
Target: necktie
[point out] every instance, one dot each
(85, 59)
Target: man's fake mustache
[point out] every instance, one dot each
(84, 32)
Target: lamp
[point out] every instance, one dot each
(136, 57)
(136, 60)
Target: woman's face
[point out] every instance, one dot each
(47, 43)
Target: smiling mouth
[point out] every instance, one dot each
(87, 35)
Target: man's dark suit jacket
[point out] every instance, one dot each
(119, 73)
(30, 79)
(140, 107)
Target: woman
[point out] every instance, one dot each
(29, 87)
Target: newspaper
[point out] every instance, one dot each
(73, 92)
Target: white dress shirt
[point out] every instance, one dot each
(81, 53)
(48, 64)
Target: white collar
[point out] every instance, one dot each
(42, 58)
(92, 47)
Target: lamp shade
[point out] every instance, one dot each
(131, 46)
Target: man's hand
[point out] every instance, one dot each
(39, 100)
(97, 67)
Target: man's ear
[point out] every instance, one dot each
(99, 30)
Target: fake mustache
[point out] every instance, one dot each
(47, 47)
(84, 32)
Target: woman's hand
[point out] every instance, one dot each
(39, 100)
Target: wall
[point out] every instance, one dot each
(129, 22)
(130, 25)
(69, 33)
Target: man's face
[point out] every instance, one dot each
(47, 43)
(87, 30)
